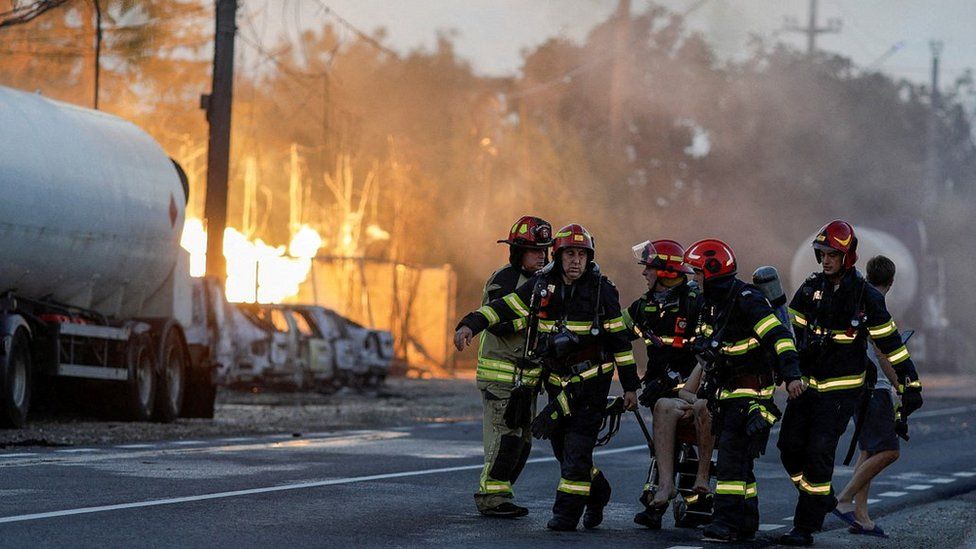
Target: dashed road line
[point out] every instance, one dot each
(964, 474)
(788, 519)
(187, 442)
(892, 494)
(135, 446)
(236, 439)
(941, 480)
(768, 527)
(918, 487)
(17, 455)
(873, 501)
(77, 450)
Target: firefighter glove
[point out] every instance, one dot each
(759, 420)
(911, 400)
(656, 388)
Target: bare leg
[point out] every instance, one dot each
(857, 489)
(666, 416)
(706, 442)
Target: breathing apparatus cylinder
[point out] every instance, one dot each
(766, 278)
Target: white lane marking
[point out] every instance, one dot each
(768, 527)
(941, 480)
(787, 519)
(964, 474)
(28, 454)
(892, 494)
(236, 439)
(280, 488)
(873, 500)
(944, 411)
(187, 442)
(918, 487)
(134, 446)
(77, 451)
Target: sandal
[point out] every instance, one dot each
(847, 517)
(859, 529)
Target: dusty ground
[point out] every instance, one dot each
(400, 401)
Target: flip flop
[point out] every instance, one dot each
(847, 517)
(860, 530)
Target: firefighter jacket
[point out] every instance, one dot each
(667, 325)
(501, 345)
(749, 334)
(833, 324)
(589, 308)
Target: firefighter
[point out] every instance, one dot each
(665, 317)
(506, 448)
(834, 313)
(581, 337)
(737, 328)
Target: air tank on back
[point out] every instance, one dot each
(871, 242)
(91, 209)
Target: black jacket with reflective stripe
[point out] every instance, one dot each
(818, 309)
(576, 305)
(670, 322)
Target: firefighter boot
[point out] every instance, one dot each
(717, 531)
(797, 537)
(650, 518)
(506, 510)
(561, 523)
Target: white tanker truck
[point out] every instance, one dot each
(93, 282)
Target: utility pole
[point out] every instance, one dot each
(218, 107)
(812, 30)
(621, 41)
(932, 171)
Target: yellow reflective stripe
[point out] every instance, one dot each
(495, 487)
(624, 358)
(740, 347)
(579, 326)
(519, 324)
(731, 487)
(615, 324)
(899, 355)
(766, 324)
(489, 314)
(562, 234)
(563, 401)
(784, 345)
(515, 303)
(797, 317)
(706, 329)
(751, 490)
(496, 364)
(882, 330)
(822, 488)
(840, 336)
(546, 325)
(628, 321)
(588, 373)
(836, 383)
(739, 393)
(691, 499)
(796, 478)
(573, 487)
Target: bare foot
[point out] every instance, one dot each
(701, 485)
(845, 506)
(663, 495)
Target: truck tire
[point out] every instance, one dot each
(139, 394)
(15, 382)
(171, 380)
(201, 393)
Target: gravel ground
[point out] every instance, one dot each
(399, 401)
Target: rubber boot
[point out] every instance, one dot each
(561, 523)
(797, 537)
(506, 510)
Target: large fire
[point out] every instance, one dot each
(256, 271)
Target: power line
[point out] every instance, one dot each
(360, 34)
(26, 14)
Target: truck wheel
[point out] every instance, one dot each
(15, 383)
(172, 372)
(139, 393)
(200, 393)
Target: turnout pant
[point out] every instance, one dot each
(736, 494)
(506, 450)
(581, 484)
(812, 426)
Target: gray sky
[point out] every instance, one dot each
(492, 34)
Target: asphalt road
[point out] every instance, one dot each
(408, 486)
